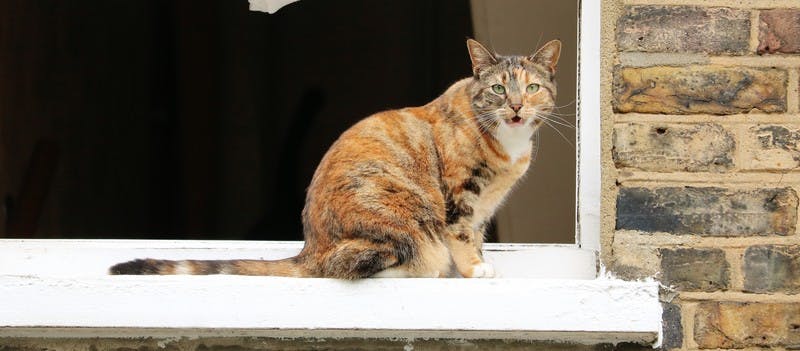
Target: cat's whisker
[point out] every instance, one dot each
(561, 123)
(557, 111)
(562, 114)
(568, 104)
(486, 127)
(560, 119)
(535, 151)
(558, 122)
(555, 124)
(554, 114)
(485, 124)
(560, 133)
(483, 118)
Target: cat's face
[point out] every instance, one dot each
(513, 92)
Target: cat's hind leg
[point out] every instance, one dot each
(361, 258)
(433, 261)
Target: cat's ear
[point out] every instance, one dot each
(548, 55)
(480, 56)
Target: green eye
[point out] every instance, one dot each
(498, 89)
(533, 88)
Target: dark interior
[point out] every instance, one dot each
(198, 119)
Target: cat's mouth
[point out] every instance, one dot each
(515, 121)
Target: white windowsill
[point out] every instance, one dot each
(71, 258)
(58, 288)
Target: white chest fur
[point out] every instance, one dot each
(515, 140)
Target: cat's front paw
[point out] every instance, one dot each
(482, 270)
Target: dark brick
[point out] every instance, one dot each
(738, 325)
(708, 211)
(779, 31)
(772, 268)
(683, 29)
(716, 90)
(694, 269)
(672, 327)
(778, 137)
(766, 147)
(673, 147)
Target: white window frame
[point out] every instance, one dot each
(587, 230)
(59, 288)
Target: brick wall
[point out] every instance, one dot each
(702, 131)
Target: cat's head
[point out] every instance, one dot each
(513, 91)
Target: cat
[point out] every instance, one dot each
(408, 192)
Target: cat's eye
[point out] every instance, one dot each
(533, 88)
(498, 89)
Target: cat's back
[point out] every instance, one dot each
(395, 125)
(399, 138)
(386, 161)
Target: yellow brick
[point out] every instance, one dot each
(699, 89)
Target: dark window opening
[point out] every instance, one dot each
(202, 120)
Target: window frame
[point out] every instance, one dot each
(588, 150)
(45, 295)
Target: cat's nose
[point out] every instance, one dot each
(515, 107)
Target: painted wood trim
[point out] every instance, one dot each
(587, 311)
(589, 131)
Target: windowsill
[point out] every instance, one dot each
(59, 288)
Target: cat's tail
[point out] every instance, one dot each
(289, 267)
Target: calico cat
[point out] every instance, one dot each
(408, 193)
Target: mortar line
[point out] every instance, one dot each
(686, 182)
(797, 224)
(700, 118)
(739, 297)
(649, 59)
(754, 30)
(740, 179)
(735, 261)
(755, 61)
(667, 240)
(688, 311)
(739, 133)
(792, 92)
(653, 59)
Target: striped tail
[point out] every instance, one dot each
(288, 267)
